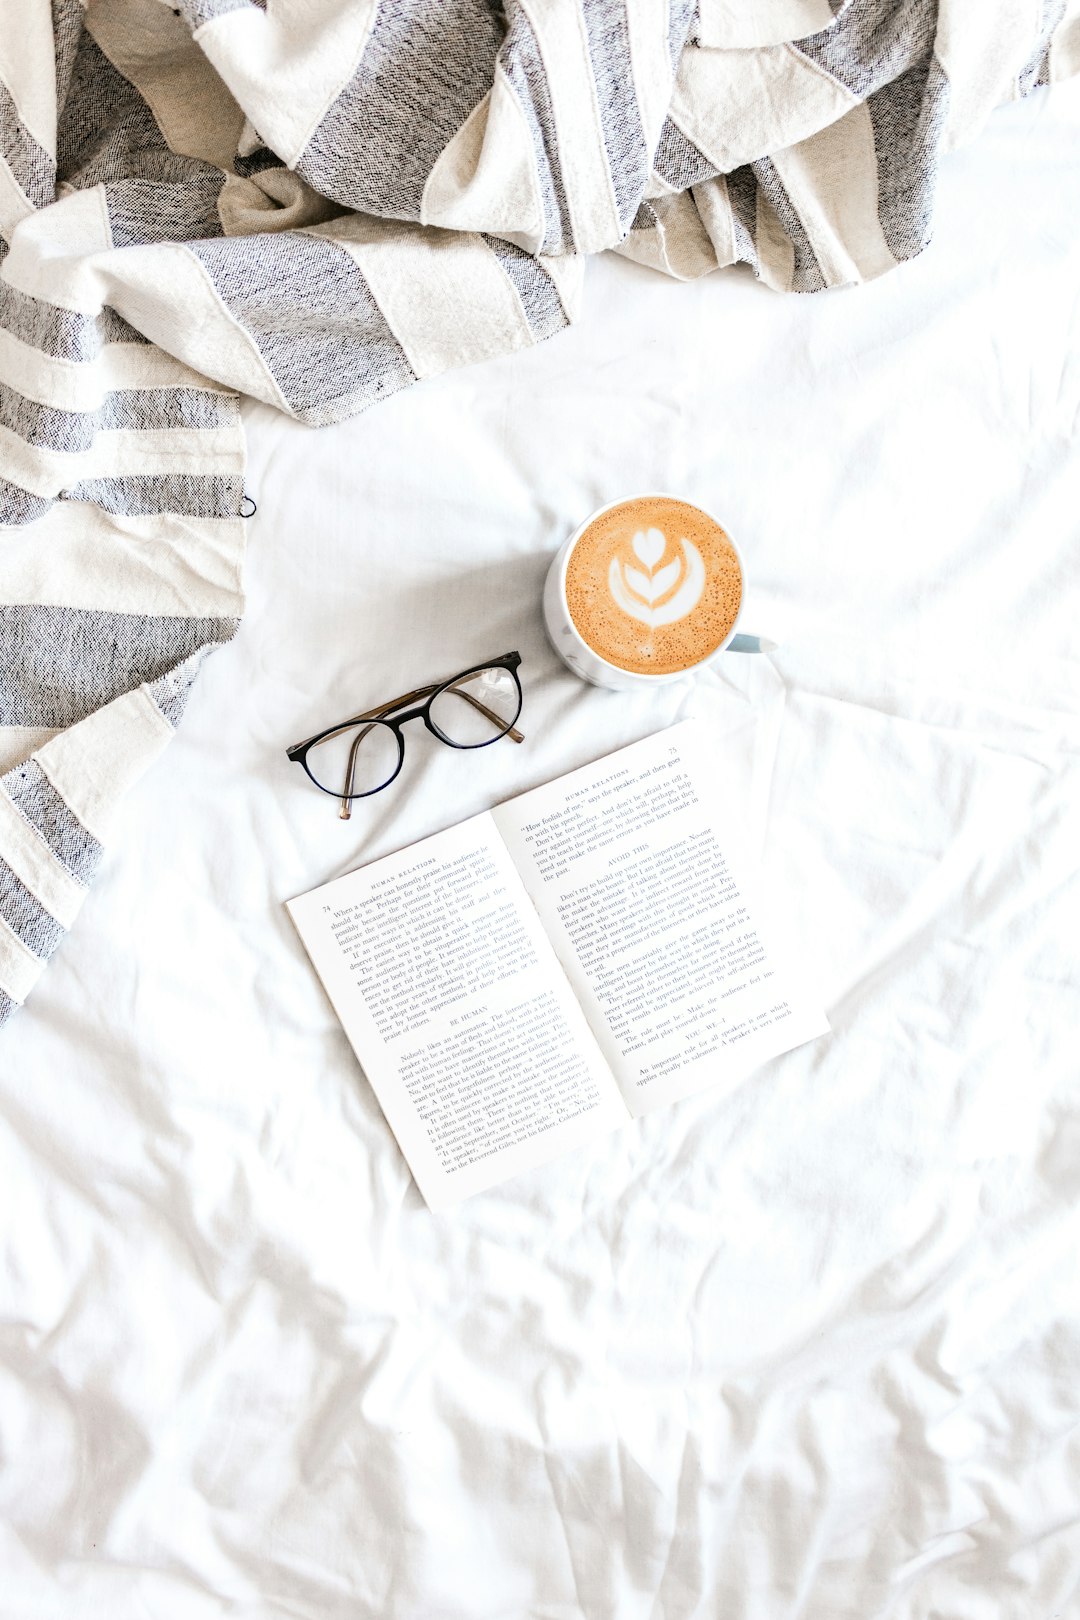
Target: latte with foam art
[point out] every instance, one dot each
(653, 585)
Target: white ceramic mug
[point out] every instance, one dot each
(584, 660)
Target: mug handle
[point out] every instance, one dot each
(740, 643)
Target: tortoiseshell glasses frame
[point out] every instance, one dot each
(495, 680)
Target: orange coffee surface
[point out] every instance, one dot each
(653, 585)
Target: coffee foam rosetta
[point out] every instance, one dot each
(653, 585)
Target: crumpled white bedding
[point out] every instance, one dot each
(808, 1349)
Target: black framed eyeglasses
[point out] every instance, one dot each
(362, 755)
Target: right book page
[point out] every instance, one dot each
(641, 887)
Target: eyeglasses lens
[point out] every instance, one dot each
(477, 708)
(357, 760)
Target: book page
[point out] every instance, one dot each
(653, 913)
(459, 1011)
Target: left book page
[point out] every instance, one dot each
(459, 1011)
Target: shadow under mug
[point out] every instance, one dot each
(584, 660)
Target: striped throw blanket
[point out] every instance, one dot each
(317, 202)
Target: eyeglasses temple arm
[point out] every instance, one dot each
(346, 809)
(368, 714)
(396, 703)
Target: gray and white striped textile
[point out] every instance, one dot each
(317, 202)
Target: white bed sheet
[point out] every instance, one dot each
(810, 1348)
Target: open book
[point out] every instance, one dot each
(582, 954)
